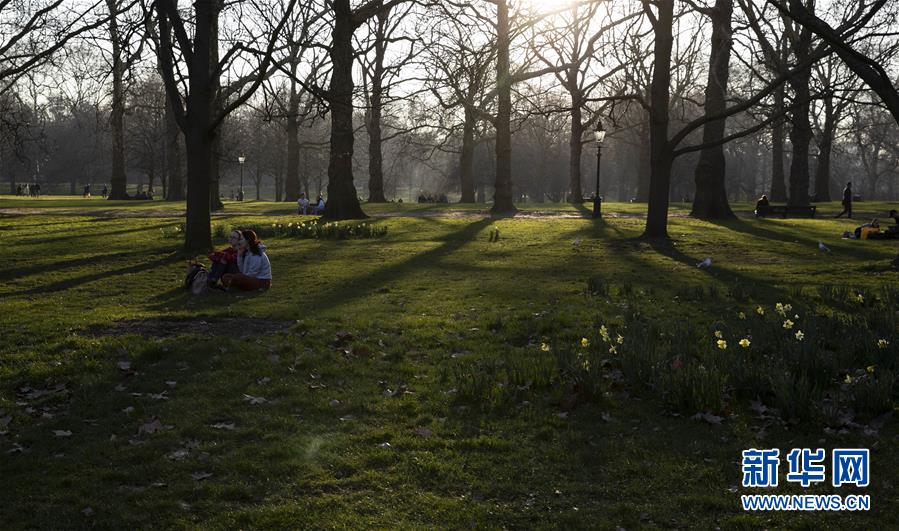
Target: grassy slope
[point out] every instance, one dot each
(430, 296)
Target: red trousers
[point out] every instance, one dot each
(245, 283)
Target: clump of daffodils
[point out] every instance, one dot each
(882, 343)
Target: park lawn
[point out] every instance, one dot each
(363, 389)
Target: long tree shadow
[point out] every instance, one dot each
(19, 272)
(758, 231)
(83, 279)
(68, 237)
(361, 287)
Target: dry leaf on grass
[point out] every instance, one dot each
(253, 400)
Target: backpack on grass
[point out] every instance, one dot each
(195, 271)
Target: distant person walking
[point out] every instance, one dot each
(105, 191)
(847, 201)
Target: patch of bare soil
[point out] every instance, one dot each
(241, 327)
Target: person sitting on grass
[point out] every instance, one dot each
(762, 204)
(224, 261)
(319, 207)
(302, 204)
(253, 264)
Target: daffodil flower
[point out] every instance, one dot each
(544, 347)
(799, 335)
(722, 344)
(718, 334)
(585, 342)
(760, 310)
(882, 343)
(744, 343)
(788, 324)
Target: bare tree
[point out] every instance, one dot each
(198, 100)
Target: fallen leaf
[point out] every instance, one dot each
(62, 433)
(707, 417)
(253, 400)
(152, 427)
(200, 476)
(384, 445)
(178, 454)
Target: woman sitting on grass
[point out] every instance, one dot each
(255, 269)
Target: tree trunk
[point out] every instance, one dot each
(343, 201)
(215, 201)
(778, 178)
(825, 147)
(661, 157)
(118, 180)
(502, 199)
(710, 200)
(800, 137)
(292, 181)
(373, 116)
(174, 157)
(575, 148)
(643, 169)
(198, 138)
(466, 164)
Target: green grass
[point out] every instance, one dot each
(429, 339)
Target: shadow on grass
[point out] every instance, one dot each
(361, 287)
(100, 275)
(68, 237)
(758, 231)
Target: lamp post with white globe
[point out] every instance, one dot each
(241, 159)
(600, 136)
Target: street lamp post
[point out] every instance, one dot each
(597, 201)
(241, 159)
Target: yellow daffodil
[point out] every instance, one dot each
(799, 335)
(870, 369)
(544, 347)
(848, 379)
(585, 342)
(619, 339)
(779, 308)
(760, 310)
(718, 334)
(788, 307)
(788, 324)
(742, 316)
(744, 343)
(860, 298)
(882, 343)
(722, 344)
